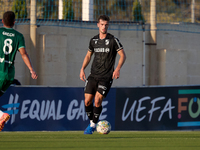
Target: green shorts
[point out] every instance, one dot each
(4, 85)
(6, 80)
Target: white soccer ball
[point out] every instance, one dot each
(103, 127)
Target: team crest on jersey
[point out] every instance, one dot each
(106, 41)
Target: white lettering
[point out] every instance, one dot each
(102, 50)
(71, 113)
(24, 115)
(81, 111)
(102, 117)
(58, 115)
(34, 110)
(8, 34)
(47, 109)
(44, 109)
(52, 111)
(124, 117)
(168, 107)
(75, 111)
(2, 60)
(153, 105)
(140, 109)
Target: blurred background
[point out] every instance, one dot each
(167, 11)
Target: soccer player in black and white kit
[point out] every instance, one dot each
(105, 47)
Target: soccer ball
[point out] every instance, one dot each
(103, 127)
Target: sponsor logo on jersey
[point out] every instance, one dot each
(95, 41)
(6, 61)
(106, 50)
(8, 34)
(1, 60)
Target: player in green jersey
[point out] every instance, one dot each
(11, 41)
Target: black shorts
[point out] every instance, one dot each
(92, 85)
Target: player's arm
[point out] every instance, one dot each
(122, 59)
(84, 65)
(27, 61)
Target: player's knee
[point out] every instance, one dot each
(88, 103)
(88, 99)
(98, 101)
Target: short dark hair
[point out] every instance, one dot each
(103, 17)
(9, 18)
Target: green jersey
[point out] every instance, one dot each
(10, 42)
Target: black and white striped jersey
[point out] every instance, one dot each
(105, 51)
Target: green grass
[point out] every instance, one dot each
(133, 140)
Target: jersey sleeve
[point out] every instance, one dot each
(117, 45)
(21, 42)
(91, 48)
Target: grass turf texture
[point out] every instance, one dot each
(133, 140)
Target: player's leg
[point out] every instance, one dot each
(97, 108)
(94, 117)
(89, 105)
(102, 91)
(89, 112)
(4, 117)
(90, 89)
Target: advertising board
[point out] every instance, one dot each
(135, 108)
(50, 108)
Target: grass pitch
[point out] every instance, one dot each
(133, 140)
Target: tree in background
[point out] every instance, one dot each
(5, 5)
(47, 9)
(116, 9)
(19, 8)
(137, 11)
(68, 12)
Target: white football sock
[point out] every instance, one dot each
(92, 124)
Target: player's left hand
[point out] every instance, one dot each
(116, 74)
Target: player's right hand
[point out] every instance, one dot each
(82, 75)
(34, 75)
